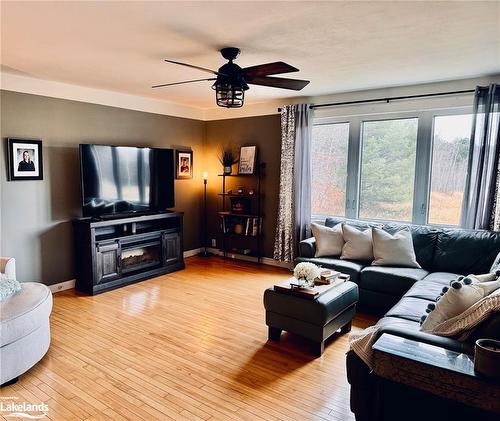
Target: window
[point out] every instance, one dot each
(450, 153)
(408, 167)
(388, 169)
(329, 168)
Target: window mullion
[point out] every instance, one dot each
(422, 169)
(353, 168)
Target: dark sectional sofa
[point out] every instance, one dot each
(401, 295)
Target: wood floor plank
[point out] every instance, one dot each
(191, 345)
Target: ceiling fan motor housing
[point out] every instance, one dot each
(230, 53)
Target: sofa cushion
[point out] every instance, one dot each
(390, 280)
(24, 312)
(409, 308)
(394, 321)
(425, 290)
(465, 251)
(442, 278)
(345, 266)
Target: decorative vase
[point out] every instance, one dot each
(227, 170)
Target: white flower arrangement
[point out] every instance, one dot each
(307, 271)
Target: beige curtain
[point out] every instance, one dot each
(294, 209)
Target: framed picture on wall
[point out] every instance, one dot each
(25, 159)
(183, 164)
(248, 159)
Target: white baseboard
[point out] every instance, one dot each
(264, 260)
(191, 253)
(62, 286)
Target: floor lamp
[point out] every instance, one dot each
(204, 252)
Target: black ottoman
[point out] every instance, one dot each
(314, 319)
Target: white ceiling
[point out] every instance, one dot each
(339, 46)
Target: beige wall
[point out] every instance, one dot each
(35, 217)
(262, 131)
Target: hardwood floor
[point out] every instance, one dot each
(188, 345)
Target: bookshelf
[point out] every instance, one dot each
(241, 214)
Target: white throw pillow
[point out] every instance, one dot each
(462, 294)
(358, 244)
(329, 241)
(393, 250)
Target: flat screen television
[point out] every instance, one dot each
(126, 180)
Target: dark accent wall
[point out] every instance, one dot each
(36, 215)
(262, 131)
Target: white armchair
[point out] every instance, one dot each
(24, 326)
(8, 266)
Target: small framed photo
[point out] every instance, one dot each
(24, 159)
(183, 164)
(248, 159)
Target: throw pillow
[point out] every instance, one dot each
(358, 244)
(329, 241)
(8, 286)
(463, 326)
(393, 250)
(464, 293)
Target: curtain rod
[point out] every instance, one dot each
(387, 99)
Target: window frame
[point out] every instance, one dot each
(440, 113)
(423, 159)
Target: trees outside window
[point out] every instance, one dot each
(408, 167)
(388, 169)
(450, 155)
(329, 168)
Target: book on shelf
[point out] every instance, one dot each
(250, 225)
(255, 226)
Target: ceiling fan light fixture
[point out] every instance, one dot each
(229, 95)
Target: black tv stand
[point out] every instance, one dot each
(117, 251)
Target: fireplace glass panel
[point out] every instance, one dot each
(140, 257)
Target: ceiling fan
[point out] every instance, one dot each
(232, 81)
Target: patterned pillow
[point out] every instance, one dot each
(8, 286)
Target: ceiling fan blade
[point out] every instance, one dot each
(279, 82)
(180, 83)
(275, 68)
(194, 67)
